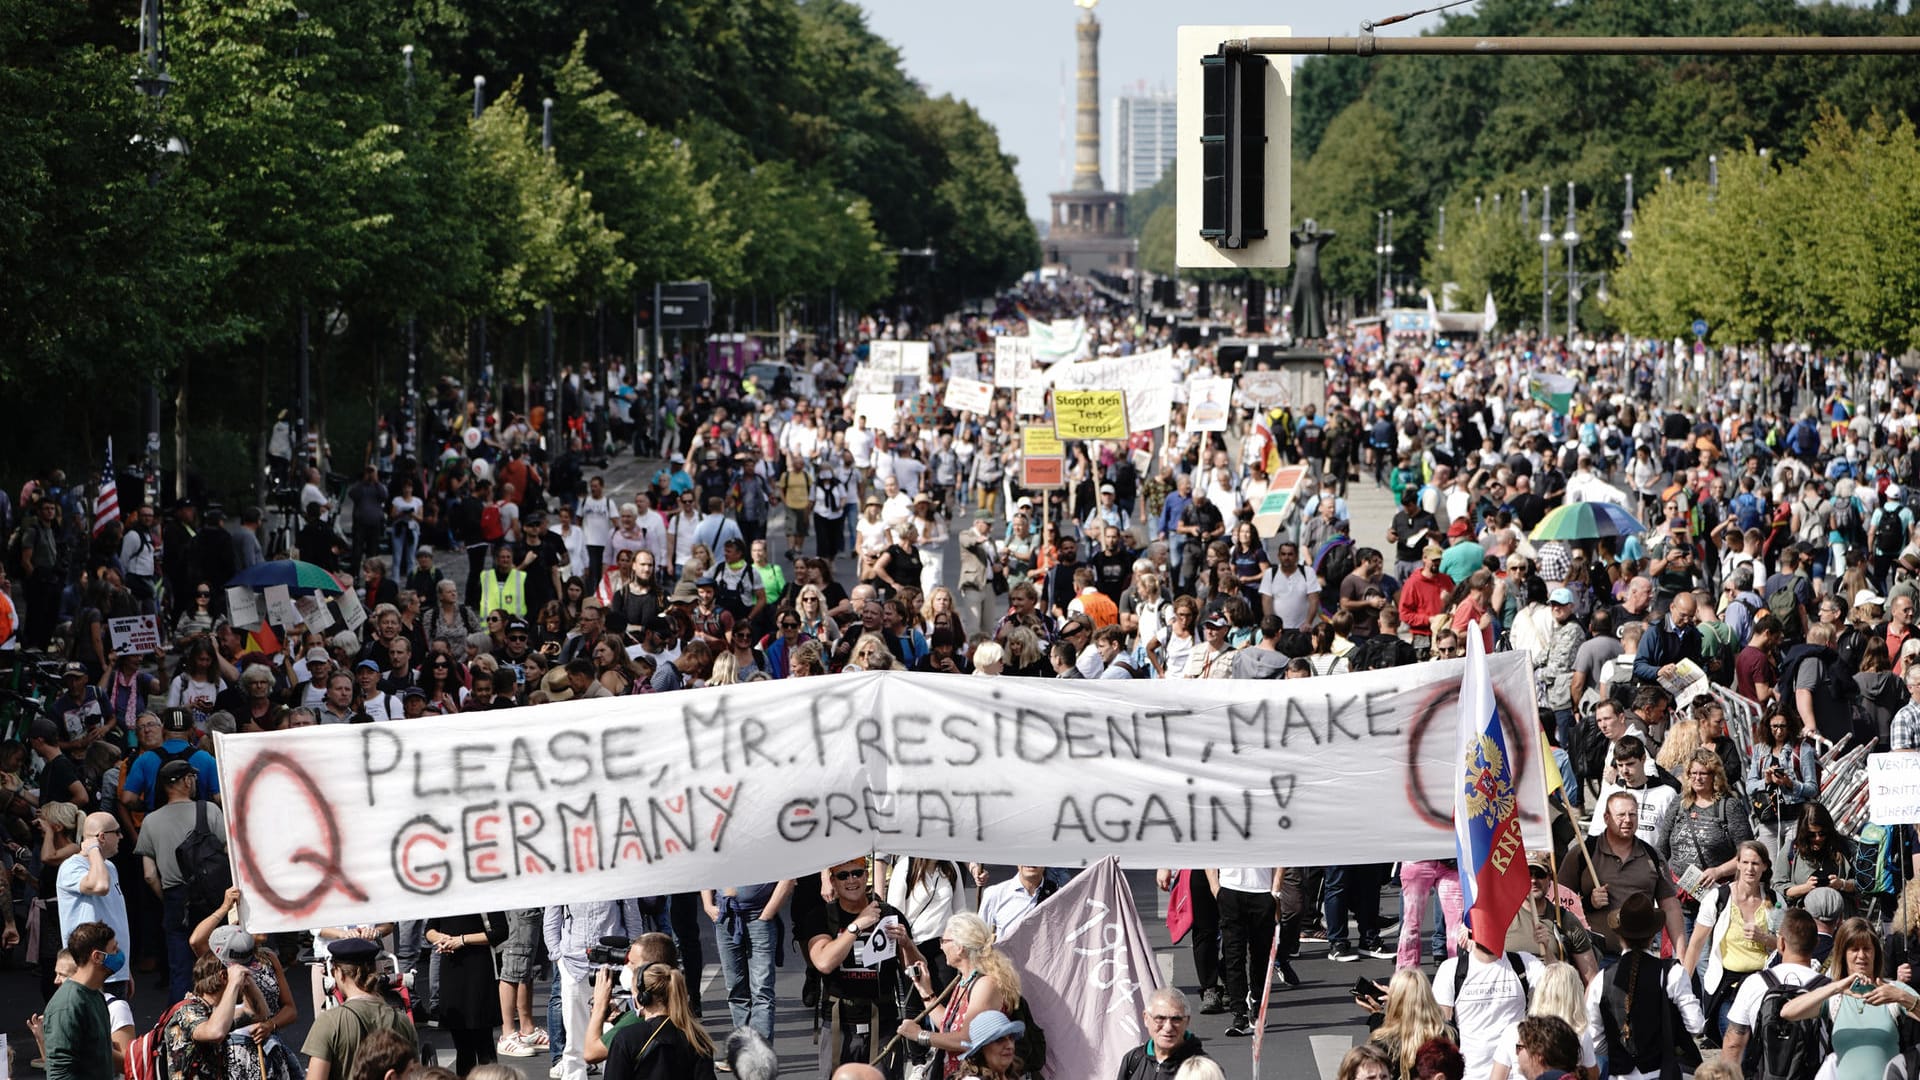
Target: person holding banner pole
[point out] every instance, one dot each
(862, 965)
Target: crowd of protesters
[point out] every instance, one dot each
(784, 533)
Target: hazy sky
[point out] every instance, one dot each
(1013, 59)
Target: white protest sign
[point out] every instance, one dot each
(916, 358)
(134, 634)
(1012, 361)
(615, 797)
(314, 613)
(1893, 789)
(1061, 339)
(968, 395)
(352, 611)
(280, 610)
(876, 946)
(1030, 400)
(884, 356)
(243, 608)
(878, 409)
(963, 365)
(1208, 402)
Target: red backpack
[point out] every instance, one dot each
(490, 525)
(146, 1055)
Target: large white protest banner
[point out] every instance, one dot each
(1148, 378)
(1061, 339)
(1088, 969)
(633, 796)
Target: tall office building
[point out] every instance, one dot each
(1144, 140)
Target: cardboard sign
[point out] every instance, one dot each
(1893, 788)
(243, 608)
(1012, 361)
(1041, 442)
(134, 634)
(1030, 400)
(968, 395)
(314, 613)
(1090, 414)
(280, 610)
(878, 409)
(1043, 473)
(1208, 402)
(963, 365)
(352, 611)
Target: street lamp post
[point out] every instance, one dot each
(1389, 294)
(410, 416)
(1546, 268)
(1379, 256)
(482, 364)
(1571, 237)
(153, 81)
(556, 424)
(1626, 218)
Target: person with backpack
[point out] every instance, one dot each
(1861, 1009)
(333, 1043)
(1783, 775)
(1644, 1006)
(183, 826)
(1484, 994)
(1734, 930)
(1766, 1046)
(1887, 533)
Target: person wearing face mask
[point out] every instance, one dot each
(77, 1028)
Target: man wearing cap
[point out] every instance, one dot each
(1106, 513)
(1557, 667)
(160, 838)
(1423, 596)
(312, 691)
(1888, 532)
(504, 587)
(333, 1043)
(369, 696)
(1464, 554)
(980, 561)
(1212, 658)
(80, 710)
(142, 791)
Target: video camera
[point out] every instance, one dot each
(610, 952)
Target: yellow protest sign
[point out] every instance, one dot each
(1041, 442)
(1090, 414)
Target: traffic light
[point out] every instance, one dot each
(1235, 127)
(1233, 144)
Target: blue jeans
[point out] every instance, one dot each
(1355, 889)
(556, 1018)
(173, 918)
(746, 966)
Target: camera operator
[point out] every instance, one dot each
(570, 931)
(862, 995)
(647, 949)
(661, 1039)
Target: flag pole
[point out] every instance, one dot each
(1553, 858)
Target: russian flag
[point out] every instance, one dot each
(1486, 809)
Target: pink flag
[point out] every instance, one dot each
(1086, 970)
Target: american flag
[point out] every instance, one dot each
(106, 505)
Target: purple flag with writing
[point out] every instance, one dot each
(1086, 970)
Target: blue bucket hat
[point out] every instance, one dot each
(990, 1027)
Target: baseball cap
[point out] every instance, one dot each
(72, 668)
(1106, 489)
(176, 721)
(1868, 598)
(1217, 621)
(1432, 550)
(318, 655)
(1460, 527)
(43, 730)
(366, 665)
(174, 770)
(413, 691)
(1560, 596)
(516, 626)
(233, 945)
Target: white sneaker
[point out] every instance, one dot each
(554, 1073)
(511, 1046)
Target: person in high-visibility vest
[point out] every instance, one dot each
(505, 587)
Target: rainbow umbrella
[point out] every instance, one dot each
(300, 578)
(1587, 521)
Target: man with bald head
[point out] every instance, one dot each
(858, 1071)
(1669, 641)
(88, 886)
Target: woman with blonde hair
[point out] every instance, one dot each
(1561, 995)
(989, 658)
(667, 1040)
(726, 669)
(1411, 1017)
(940, 601)
(1683, 738)
(984, 980)
(811, 606)
(1024, 655)
(870, 654)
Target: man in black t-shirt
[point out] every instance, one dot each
(1112, 564)
(60, 778)
(862, 958)
(1411, 530)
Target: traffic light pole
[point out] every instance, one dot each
(1369, 45)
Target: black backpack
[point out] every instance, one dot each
(1785, 1049)
(1890, 536)
(204, 869)
(1514, 961)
